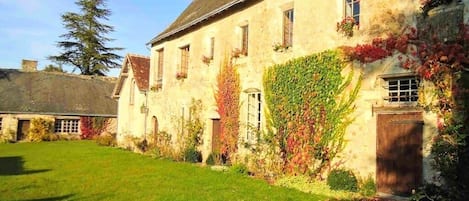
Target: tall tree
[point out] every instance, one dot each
(84, 45)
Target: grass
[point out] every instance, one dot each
(81, 170)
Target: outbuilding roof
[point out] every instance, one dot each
(56, 94)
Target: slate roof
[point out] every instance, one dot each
(197, 12)
(55, 94)
(140, 66)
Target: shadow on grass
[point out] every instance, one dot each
(14, 165)
(57, 198)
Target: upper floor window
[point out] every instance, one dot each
(288, 19)
(403, 90)
(254, 115)
(132, 92)
(352, 9)
(245, 39)
(183, 69)
(1, 123)
(212, 47)
(66, 125)
(159, 72)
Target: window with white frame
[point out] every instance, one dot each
(403, 90)
(352, 9)
(67, 126)
(253, 115)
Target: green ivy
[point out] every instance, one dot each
(309, 110)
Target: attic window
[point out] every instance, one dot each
(288, 17)
(403, 89)
(159, 71)
(245, 39)
(183, 69)
(66, 126)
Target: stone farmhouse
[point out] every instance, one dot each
(27, 93)
(186, 57)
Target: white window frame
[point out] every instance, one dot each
(351, 7)
(402, 90)
(71, 126)
(254, 115)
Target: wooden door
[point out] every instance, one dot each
(216, 147)
(399, 152)
(23, 128)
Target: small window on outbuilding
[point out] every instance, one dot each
(403, 89)
(67, 126)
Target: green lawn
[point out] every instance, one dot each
(81, 170)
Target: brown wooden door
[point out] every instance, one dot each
(399, 152)
(23, 128)
(216, 147)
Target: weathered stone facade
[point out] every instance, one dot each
(314, 30)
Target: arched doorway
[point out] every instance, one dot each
(154, 122)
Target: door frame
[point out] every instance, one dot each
(418, 174)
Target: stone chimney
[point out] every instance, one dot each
(28, 65)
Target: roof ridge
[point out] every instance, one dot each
(138, 55)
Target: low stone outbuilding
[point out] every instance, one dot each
(64, 98)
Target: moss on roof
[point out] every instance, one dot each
(55, 93)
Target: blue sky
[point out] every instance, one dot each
(29, 29)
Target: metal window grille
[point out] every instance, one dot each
(403, 90)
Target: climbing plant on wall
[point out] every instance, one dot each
(227, 99)
(309, 110)
(444, 64)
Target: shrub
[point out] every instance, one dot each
(368, 187)
(106, 140)
(192, 155)
(239, 169)
(342, 180)
(50, 137)
(40, 129)
(213, 159)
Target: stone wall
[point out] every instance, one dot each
(314, 31)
